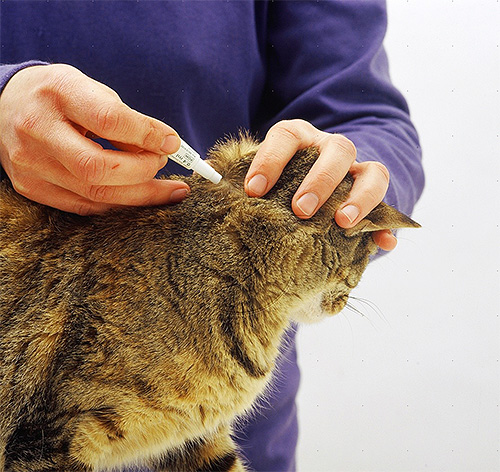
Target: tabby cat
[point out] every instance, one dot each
(138, 336)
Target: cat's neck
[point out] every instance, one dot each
(189, 273)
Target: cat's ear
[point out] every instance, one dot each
(382, 217)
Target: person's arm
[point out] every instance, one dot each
(6, 73)
(48, 112)
(326, 65)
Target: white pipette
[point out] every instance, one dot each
(187, 157)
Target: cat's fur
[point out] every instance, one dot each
(137, 337)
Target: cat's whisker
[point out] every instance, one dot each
(345, 317)
(353, 309)
(370, 305)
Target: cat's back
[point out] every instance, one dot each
(29, 235)
(19, 217)
(27, 227)
(22, 226)
(36, 269)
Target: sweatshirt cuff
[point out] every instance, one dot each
(8, 70)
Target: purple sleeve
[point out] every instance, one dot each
(8, 70)
(326, 64)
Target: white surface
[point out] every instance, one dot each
(414, 384)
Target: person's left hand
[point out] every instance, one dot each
(337, 157)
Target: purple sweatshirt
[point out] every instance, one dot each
(211, 68)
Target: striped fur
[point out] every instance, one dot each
(137, 337)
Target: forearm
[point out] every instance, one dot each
(334, 74)
(8, 70)
(395, 144)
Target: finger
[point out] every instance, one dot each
(371, 181)
(52, 175)
(155, 192)
(282, 141)
(48, 169)
(99, 110)
(54, 196)
(385, 240)
(92, 164)
(337, 153)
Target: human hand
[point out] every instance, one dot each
(337, 157)
(46, 116)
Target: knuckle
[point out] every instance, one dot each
(107, 119)
(374, 178)
(371, 197)
(152, 197)
(99, 193)
(149, 198)
(83, 208)
(62, 72)
(28, 124)
(382, 171)
(55, 82)
(152, 137)
(344, 145)
(289, 129)
(326, 179)
(89, 168)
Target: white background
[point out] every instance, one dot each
(413, 385)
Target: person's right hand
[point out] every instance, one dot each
(46, 115)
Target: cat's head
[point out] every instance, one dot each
(310, 265)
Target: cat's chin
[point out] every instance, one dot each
(320, 306)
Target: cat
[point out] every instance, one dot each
(137, 337)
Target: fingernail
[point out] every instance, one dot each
(351, 212)
(178, 195)
(257, 185)
(307, 203)
(170, 144)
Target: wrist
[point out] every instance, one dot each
(7, 71)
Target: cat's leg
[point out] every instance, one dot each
(40, 446)
(48, 463)
(216, 453)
